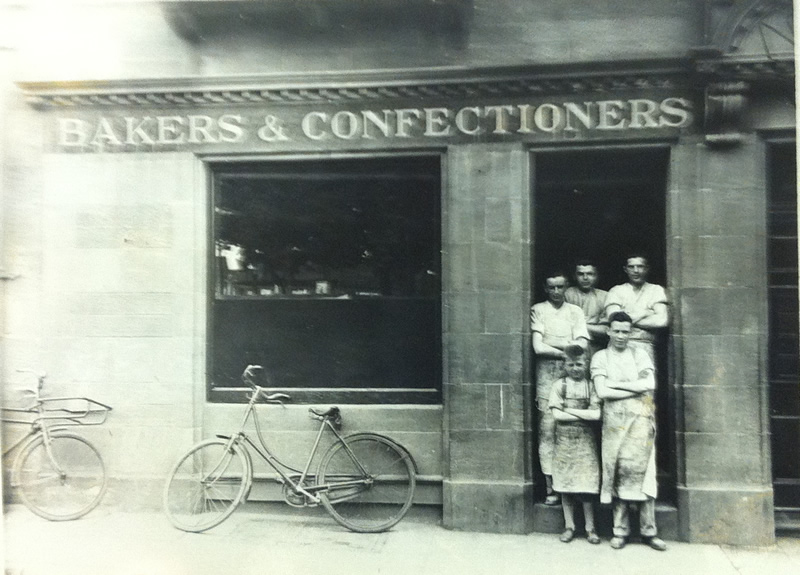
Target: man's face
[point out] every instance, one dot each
(637, 269)
(576, 368)
(586, 277)
(555, 287)
(619, 332)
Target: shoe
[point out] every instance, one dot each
(655, 543)
(567, 536)
(617, 542)
(552, 499)
(592, 538)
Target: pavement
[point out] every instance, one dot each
(278, 540)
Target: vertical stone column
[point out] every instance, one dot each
(718, 275)
(486, 298)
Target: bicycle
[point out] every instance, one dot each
(365, 481)
(59, 475)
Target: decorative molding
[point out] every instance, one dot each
(725, 103)
(384, 86)
(752, 69)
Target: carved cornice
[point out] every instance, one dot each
(357, 88)
(752, 69)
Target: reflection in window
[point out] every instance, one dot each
(361, 229)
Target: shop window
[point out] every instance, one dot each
(327, 273)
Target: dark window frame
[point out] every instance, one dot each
(428, 394)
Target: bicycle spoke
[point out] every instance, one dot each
(206, 485)
(62, 480)
(370, 503)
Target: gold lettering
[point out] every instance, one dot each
(132, 129)
(501, 115)
(461, 121)
(525, 119)
(72, 132)
(105, 134)
(583, 115)
(231, 123)
(643, 114)
(435, 120)
(548, 118)
(371, 118)
(679, 109)
(169, 130)
(611, 117)
(405, 119)
(200, 129)
(308, 125)
(344, 125)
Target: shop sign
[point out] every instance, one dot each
(322, 126)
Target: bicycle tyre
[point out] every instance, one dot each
(385, 497)
(60, 496)
(206, 485)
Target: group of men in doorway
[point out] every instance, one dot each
(612, 334)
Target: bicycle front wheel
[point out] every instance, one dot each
(367, 482)
(62, 481)
(206, 485)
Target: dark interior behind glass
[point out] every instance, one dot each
(328, 273)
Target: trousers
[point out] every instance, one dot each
(647, 517)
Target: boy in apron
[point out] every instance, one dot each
(576, 464)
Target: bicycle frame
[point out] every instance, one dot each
(39, 425)
(309, 491)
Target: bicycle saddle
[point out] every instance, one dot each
(332, 412)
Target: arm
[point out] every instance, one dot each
(545, 350)
(591, 414)
(657, 318)
(646, 382)
(562, 415)
(636, 317)
(606, 392)
(597, 329)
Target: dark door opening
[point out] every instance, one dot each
(602, 205)
(784, 371)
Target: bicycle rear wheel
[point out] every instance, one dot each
(206, 485)
(368, 484)
(63, 482)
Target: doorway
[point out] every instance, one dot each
(601, 205)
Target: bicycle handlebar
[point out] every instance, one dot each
(248, 376)
(274, 397)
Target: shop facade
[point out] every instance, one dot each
(375, 230)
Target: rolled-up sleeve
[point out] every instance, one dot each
(537, 322)
(599, 364)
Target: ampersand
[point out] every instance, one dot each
(272, 130)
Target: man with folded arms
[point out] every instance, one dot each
(624, 378)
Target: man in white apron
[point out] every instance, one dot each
(645, 303)
(554, 325)
(624, 378)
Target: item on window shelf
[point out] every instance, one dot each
(323, 287)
